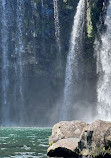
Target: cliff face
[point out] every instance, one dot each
(95, 16)
(43, 79)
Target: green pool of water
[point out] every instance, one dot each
(24, 142)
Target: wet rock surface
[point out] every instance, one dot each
(66, 129)
(79, 139)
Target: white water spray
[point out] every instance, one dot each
(103, 50)
(71, 75)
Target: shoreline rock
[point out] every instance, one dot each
(64, 147)
(66, 129)
(79, 139)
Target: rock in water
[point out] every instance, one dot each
(64, 139)
(78, 139)
(66, 129)
(94, 133)
(64, 148)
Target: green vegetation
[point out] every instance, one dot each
(101, 151)
(89, 22)
(51, 143)
(95, 17)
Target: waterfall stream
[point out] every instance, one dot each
(20, 51)
(12, 95)
(71, 75)
(103, 50)
(5, 63)
(57, 35)
(57, 24)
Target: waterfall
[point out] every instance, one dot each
(12, 72)
(57, 35)
(20, 53)
(5, 62)
(57, 25)
(103, 50)
(71, 75)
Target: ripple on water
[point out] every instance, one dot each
(24, 142)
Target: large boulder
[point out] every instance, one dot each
(93, 135)
(94, 138)
(66, 129)
(80, 139)
(64, 148)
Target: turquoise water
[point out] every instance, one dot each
(24, 142)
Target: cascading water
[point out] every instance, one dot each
(71, 75)
(20, 52)
(57, 35)
(12, 95)
(57, 25)
(5, 62)
(103, 50)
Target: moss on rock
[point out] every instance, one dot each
(89, 22)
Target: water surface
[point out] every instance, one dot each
(24, 142)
